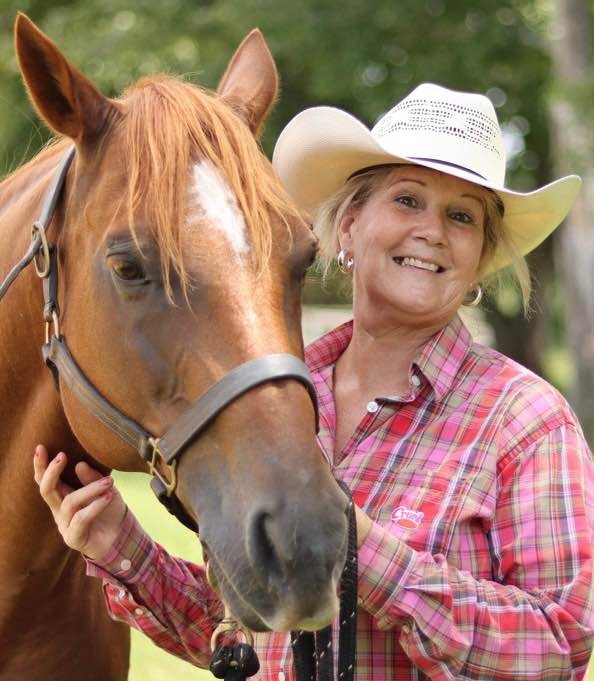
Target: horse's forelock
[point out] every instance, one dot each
(170, 124)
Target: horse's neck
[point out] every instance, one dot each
(30, 408)
(41, 579)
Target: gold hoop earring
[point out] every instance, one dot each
(477, 297)
(345, 262)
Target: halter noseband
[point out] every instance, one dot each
(161, 453)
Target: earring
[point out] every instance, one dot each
(345, 262)
(477, 297)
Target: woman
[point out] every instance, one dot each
(473, 483)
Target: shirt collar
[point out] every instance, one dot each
(439, 360)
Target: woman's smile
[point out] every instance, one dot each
(417, 263)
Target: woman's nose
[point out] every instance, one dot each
(431, 227)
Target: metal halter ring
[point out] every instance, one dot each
(228, 624)
(156, 455)
(41, 267)
(55, 323)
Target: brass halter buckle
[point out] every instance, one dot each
(171, 468)
(232, 626)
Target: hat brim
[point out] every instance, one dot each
(321, 147)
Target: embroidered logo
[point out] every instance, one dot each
(406, 518)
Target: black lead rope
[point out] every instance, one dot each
(313, 656)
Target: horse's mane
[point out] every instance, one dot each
(168, 125)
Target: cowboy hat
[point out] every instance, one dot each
(454, 132)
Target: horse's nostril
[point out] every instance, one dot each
(265, 548)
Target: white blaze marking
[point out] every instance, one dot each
(213, 202)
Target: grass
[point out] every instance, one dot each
(149, 663)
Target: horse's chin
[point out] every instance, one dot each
(261, 614)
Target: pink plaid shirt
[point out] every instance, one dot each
(479, 561)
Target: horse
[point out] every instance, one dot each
(180, 262)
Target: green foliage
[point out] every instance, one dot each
(354, 55)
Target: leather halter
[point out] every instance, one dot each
(161, 453)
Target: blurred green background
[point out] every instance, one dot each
(531, 57)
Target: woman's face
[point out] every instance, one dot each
(416, 245)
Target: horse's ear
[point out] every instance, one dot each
(250, 83)
(68, 102)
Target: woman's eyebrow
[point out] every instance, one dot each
(476, 198)
(409, 179)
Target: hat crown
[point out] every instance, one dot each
(456, 129)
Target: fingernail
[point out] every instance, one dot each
(106, 481)
(59, 458)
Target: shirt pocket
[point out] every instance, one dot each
(430, 509)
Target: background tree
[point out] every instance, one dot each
(572, 113)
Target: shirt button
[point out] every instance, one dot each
(372, 407)
(281, 676)
(140, 611)
(415, 380)
(121, 593)
(125, 564)
(406, 629)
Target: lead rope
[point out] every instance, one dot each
(313, 657)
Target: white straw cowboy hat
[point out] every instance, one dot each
(454, 132)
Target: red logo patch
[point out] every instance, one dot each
(406, 518)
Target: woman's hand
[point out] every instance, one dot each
(364, 524)
(88, 518)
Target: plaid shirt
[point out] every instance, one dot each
(479, 561)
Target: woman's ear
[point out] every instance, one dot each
(345, 228)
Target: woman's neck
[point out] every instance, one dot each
(377, 361)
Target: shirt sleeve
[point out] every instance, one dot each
(166, 598)
(535, 619)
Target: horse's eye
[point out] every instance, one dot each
(128, 270)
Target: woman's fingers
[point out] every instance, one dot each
(64, 501)
(78, 529)
(39, 462)
(47, 476)
(79, 499)
(86, 474)
(88, 518)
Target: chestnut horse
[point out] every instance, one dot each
(180, 258)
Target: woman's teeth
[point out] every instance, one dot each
(415, 262)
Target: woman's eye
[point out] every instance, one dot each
(407, 200)
(129, 270)
(462, 216)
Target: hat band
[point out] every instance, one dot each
(447, 163)
(417, 158)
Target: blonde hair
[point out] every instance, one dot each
(359, 187)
